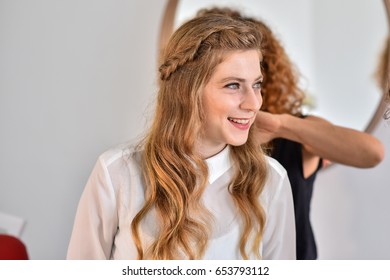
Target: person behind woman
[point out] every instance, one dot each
(300, 143)
(198, 186)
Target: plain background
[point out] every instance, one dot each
(78, 76)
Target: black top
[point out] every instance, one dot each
(289, 154)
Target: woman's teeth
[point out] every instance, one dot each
(240, 121)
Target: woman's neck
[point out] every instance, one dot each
(208, 152)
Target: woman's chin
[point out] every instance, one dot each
(238, 142)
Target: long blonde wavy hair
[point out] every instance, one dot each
(175, 174)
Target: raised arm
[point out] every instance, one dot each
(321, 138)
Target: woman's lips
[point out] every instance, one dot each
(242, 124)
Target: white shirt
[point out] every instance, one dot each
(114, 194)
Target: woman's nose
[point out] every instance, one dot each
(252, 100)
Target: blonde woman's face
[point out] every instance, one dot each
(231, 100)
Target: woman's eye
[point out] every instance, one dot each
(258, 85)
(233, 86)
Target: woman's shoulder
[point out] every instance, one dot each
(123, 154)
(275, 168)
(277, 181)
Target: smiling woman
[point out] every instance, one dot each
(346, 95)
(198, 186)
(231, 100)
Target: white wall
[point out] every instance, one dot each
(347, 43)
(76, 78)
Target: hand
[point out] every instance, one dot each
(267, 126)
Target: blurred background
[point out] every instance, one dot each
(78, 77)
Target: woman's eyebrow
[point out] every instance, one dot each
(259, 78)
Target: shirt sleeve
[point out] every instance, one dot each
(96, 218)
(279, 235)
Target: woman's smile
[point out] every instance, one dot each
(231, 99)
(243, 124)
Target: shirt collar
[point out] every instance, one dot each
(219, 164)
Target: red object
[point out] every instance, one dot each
(12, 248)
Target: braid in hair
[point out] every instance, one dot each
(177, 55)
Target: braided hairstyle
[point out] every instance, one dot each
(175, 174)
